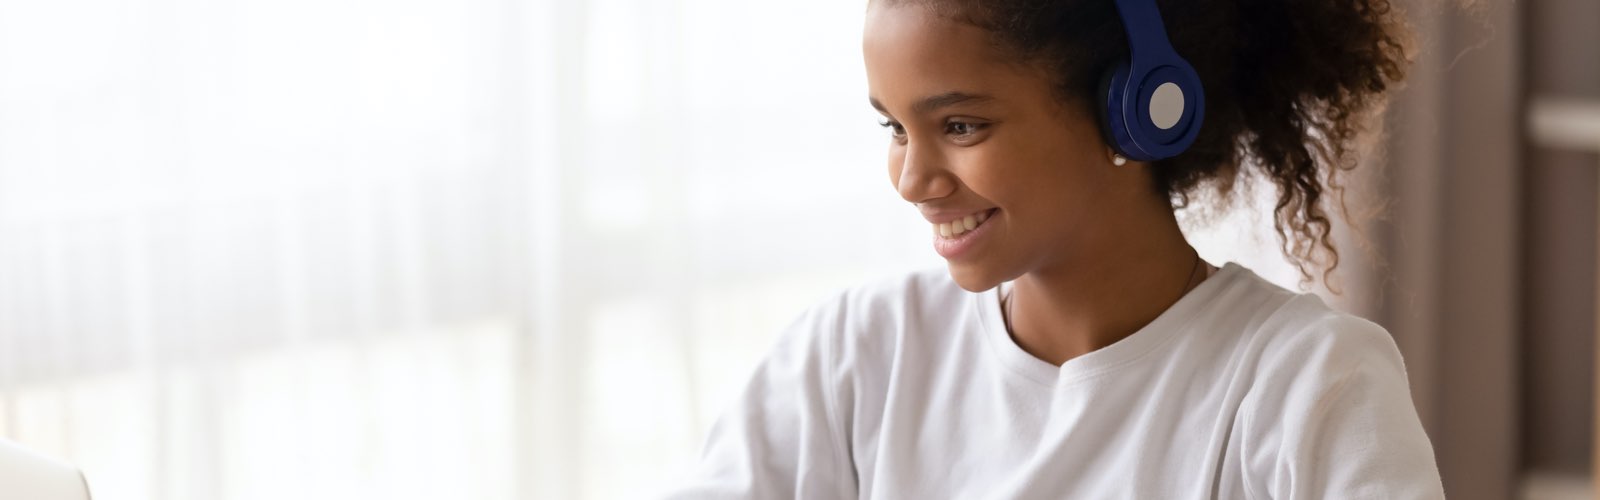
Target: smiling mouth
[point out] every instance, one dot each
(956, 228)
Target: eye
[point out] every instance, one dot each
(962, 129)
(895, 129)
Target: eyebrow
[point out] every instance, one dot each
(934, 102)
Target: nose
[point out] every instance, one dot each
(919, 174)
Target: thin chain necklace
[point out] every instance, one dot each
(1011, 297)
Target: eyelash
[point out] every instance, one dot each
(897, 131)
(894, 128)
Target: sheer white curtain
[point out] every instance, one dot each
(423, 248)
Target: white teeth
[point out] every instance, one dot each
(962, 225)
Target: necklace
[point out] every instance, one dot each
(1010, 299)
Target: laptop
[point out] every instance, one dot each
(25, 474)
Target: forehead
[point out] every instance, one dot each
(912, 52)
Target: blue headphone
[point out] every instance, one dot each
(1153, 102)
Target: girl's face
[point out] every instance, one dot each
(974, 134)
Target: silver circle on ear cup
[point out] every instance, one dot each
(1166, 105)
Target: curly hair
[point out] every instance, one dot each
(1289, 87)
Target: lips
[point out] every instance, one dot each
(955, 237)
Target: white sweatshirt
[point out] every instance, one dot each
(912, 388)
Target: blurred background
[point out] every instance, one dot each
(504, 249)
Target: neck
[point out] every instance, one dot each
(1064, 311)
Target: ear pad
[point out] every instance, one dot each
(1116, 127)
(1102, 108)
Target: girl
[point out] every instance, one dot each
(1078, 347)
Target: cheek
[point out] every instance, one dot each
(1047, 185)
(1011, 173)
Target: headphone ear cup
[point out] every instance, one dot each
(1102, 107)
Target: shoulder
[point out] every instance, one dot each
(888, 303)
(914, 289)
(1328, 410)
(1293, 349)
(1282, 330)
(1306, 336)
(858, 331)
(1310, 362)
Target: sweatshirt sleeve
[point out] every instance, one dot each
(782, 438)
(1342, 423)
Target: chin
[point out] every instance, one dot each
(973, 277)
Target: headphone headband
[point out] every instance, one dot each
(1146, 33)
